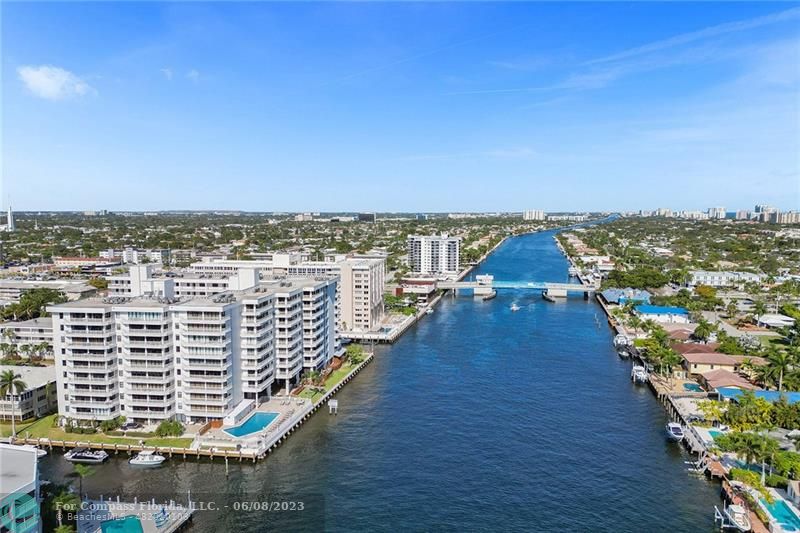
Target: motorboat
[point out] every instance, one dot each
(573, 271)
(738, 518)
(639, 374)
(429, 311)
(39, 451)
(624, 354)
(515, 307)
(85, 455)
(147, 459)
(621, 340)
(674, 431)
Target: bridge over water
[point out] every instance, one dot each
(485, 284)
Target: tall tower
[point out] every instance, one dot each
(10, 221)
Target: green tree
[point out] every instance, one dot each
(64, 501)
(712, 410)
(731, 309)
(780, 362)
(11, 383)
(82, 471)
(759, 308)
(703, 331)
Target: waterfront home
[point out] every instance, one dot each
(713, 380)
(745, 364)
(682, 333)
(695, 347)
(19, 489)
(663, 314)
(623, 296)
(39, 398)
(697, 363)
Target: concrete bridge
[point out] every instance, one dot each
(486, 284)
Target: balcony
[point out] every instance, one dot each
(130, 379)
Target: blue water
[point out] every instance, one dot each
(478, 419)
(254, 424)
(781, 512)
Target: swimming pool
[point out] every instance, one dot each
(692, 387)
(126, 524)
(714, 433)
(781, 512)
(254, 424)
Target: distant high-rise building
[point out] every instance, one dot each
(434, 254)
(716, 213)
(743, 214)
(10, 222)
(663, 212)
(366, 217)
(789, 217)
(536, 214)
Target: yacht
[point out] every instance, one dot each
(639, 374)
(674, 431)
(147, 459)
(515, 307)
(429, 311)
(623, 353)
(85, 455)
(738, 518)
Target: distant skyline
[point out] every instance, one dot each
(400, 107)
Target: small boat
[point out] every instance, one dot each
(548, 297)
(674, 431)
(738, 517)
(85, 455)
(429, 311)
(621, 340)
(515, 307)
(39, 451)
(573, 271)
(147, 459)
(639, 374)
(623, 354)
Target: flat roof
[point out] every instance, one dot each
(661, 310)
(41, 322)
(19, 468)
(732, 393)
(33, 376)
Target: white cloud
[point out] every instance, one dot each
(193, 75)
(53, 83)
(167, 72)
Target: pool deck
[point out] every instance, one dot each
(287, 409)
(99, 511)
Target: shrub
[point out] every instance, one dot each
(774, 480)
(169, 428)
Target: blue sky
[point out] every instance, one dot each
(400, 106)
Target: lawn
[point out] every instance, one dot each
(43, 427)
(334, 379)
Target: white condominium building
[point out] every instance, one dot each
(34, 333)
(151, 359)
(717, 213)
(722, 278)
(536, 214)
(434, 254)
(361, 281)
(140, 280)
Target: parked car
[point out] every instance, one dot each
(127, 426)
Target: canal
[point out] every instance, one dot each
(479, 418)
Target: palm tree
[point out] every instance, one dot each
(780, 362)
(703, 330)
(759, 308)
(731, 309)
(82, 471)
(64, 501)
(635, 322)
(9, 384)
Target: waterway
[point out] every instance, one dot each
(478, 418)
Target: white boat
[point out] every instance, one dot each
(39, 451)
(147, 459)
(738, 518)
(639, 374)
(624, 354)
(674, 431)
(429, 311)
(573, 271)
(85, 455)
(515, 307)
(621, 340)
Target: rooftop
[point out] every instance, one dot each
(709, 358)
(19, 468)
(660, 310)
(721, 378)
(33, 376)
(41, 322)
